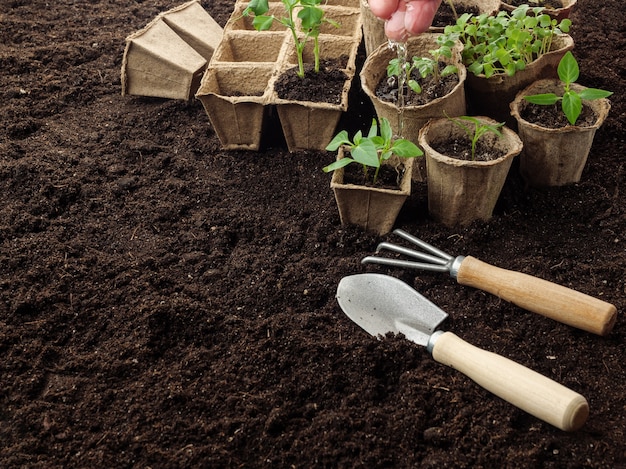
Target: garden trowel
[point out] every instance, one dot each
(531, 293)
(381, 304)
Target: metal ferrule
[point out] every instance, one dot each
(431, 341)
(456, 265)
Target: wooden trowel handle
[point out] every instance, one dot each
(539, 296)
(524, 388)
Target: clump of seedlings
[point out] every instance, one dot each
(507, 42)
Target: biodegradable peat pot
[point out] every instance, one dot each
(413, 117)
(234, 98)
(310, 125)
(236, 87)
(460, 191)
(492, 96)
(167, 58)
(556, 13)
(555, 157)
(372, 208)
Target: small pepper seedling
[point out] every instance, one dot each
(311, 17)
(372, 150)
(477, 130)
(425, 66)
(571, 101)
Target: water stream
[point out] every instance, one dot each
(401, 50)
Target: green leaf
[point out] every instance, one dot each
(373, 129)
(258, 7)
(405, 149)
(415, 86)
(589, 94)
(544, 99)
(311, 17)
(366, 154)
(568, 68)
(572, 106)
(345, 161)
(385, 131)
(340, 139)
(262, 23)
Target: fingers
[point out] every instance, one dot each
(405, 18)
(420, 15)
(384, 8)
(395, 26)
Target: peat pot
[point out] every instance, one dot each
(460, 191)
(555, 157)
(374, 209)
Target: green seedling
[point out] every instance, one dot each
(571, 101)
(475, 129)
(425, 66)
(372, 150)
(310, 17)
(507, 42)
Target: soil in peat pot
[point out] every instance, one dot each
(324, 86)
(446, 16)
(461, 149)
(553, 117)
(167, 303)
(431, 89)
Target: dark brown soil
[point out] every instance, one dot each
(326, 85)
(165, 303)
(388, 177)
(446, 16)
(461, 149)
(553, 117)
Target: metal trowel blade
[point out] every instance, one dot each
(380, 304)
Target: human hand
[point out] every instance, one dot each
(405, 18)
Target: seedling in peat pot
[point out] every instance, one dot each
(477, 130)
(571, 101)
(425, 66)
(371, 151)
(311, 17)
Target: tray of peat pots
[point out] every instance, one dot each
(413, 82)
(315, 72)
(557, 9)
(371, 176)
(467, 162)
(507, 52)
(447, 14)
(557, 121)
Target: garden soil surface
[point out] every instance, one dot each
(165, 303)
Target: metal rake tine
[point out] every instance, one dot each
(411, 253)
(423, 244)
(405, 264)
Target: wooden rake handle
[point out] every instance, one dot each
(524, 388)
(540, 296)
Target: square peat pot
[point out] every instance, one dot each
(235, 97)
(158, 62)
(167, 58)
